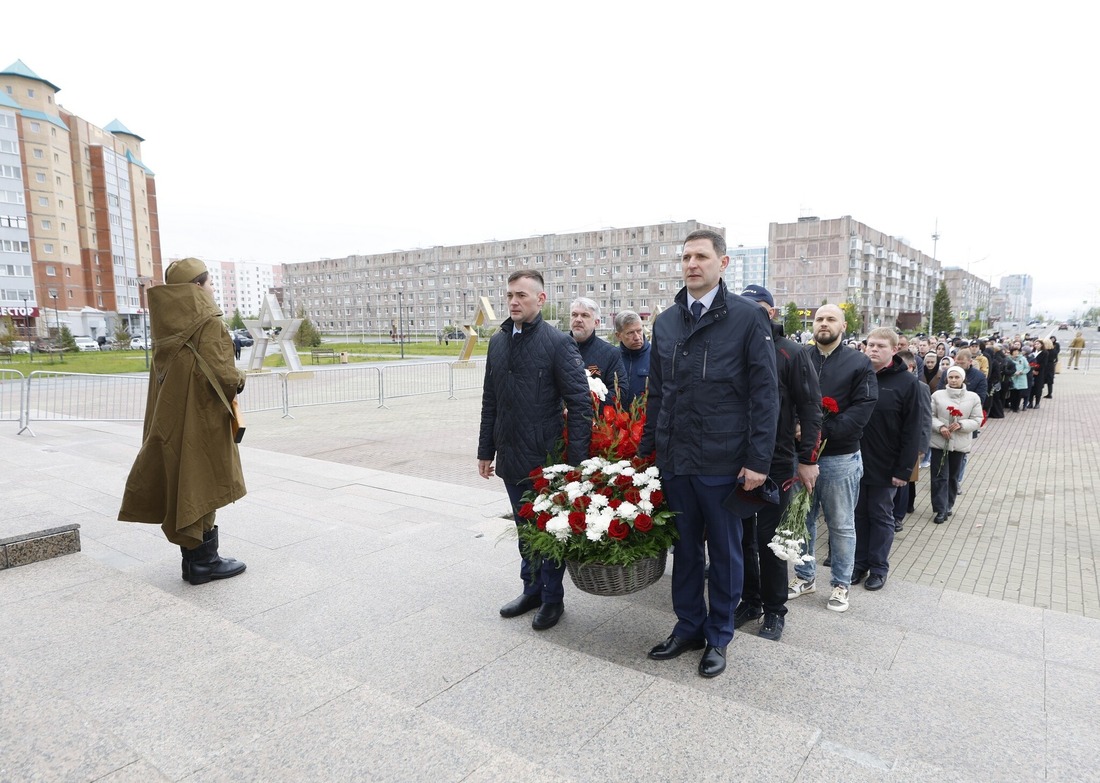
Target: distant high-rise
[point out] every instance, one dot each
(78, 218)
(1016, 290)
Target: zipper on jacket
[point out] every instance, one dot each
(706, 351)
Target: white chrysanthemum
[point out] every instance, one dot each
(600, 522)
(542, 503)
(613, 467)
(597, 387)
(628, 469)
(627, 510)
(598, 501)
(646, 507)
(574, 490)
(652, 471)
(654, 484)
(554, 470)
(558, 526)
(641, 480)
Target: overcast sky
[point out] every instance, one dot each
(323, 129)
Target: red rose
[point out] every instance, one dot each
(618, 529)
(527, 510)
(577, 522)
(829, 404)
(633, 494)
(581, 503)
(643, 523)
(573, 475)
(656, 497)
(541, 484)
(623, 481)
(536, 473)
(606, 491)
(544, 517)
(560, 499)
(614, 503)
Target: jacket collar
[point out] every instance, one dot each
(717, 307)
(508, 326)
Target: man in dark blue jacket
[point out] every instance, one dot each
(710, 419)
(634, 350)
(890, 442)
(765, 590)
(530, 370)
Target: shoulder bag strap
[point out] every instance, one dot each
(210, 377)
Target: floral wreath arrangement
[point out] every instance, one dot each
(606, 518)
(791, 537)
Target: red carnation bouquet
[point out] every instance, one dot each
(955, 415)
(790, 539)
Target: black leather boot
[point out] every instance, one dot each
(202, 563)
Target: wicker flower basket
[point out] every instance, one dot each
(602, 579)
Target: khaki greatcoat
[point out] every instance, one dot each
(188, 465)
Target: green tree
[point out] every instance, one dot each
(67, 341)
(792, 321)
(308, 336)
(553, 314)
(852, 322)
(236, 322)
(121, 334)
(942, 318)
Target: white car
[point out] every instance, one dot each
(86, 344)
(138, 343)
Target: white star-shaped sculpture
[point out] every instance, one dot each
(272, 326)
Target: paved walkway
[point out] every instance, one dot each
(363, 642)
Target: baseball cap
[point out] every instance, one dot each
(758, 293)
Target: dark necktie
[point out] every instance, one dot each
(696, 311)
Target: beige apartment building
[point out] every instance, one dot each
(424, 290)
(813, 261)
(78, 221)
(971, 297)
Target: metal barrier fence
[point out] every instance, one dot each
(12, 388)
(60, 396)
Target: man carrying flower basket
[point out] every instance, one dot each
(710, 420)
(530, 370)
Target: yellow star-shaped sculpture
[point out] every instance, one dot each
(483, 315)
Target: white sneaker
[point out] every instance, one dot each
(838, 601)
(799, 586)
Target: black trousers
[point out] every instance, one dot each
(765, 574)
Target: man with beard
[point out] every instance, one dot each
(845, 375)
(600, 357)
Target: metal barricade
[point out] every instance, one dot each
(67, 396)
(12, 388)
(264, 391)
(351, 383)
(466, 375)
(407, 380)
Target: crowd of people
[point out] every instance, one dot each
(732, 408)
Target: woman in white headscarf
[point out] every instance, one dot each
(956, 413)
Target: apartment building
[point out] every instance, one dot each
(748, 266)
(1016, 293)
(421, 291)
(240, 286)
(971, 296)
(79, 233)
(813, 261)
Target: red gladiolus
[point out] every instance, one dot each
(618, 529)
(577, 522)
(656, 497)
(633, 495)
(527, 510)
(643, 523)
(829, 404)
(543, 518)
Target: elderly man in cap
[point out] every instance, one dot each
(188, 465)
(764, 594)
(601, 359)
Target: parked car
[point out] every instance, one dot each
(138, 343)
(244, 336)
(20, 347)
(86, 344)
(1063, 327)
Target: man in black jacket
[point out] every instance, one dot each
(600, 357)
(710, 419)
(530, 370)
(634, 349)
(765, 590)
(891, 439)
(846, 378)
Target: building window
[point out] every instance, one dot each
(51, 271)
(35, 127)
(47, 225)
(47, 248)
(39, 154)
(39, 177)
(30, 92)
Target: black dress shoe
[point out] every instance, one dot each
(673, 647)
(875, 582)
(548, 615)
(828, 561)
(858, 575)
(713, 662)
(898, 526)
(940, 519)
(522, 605)
(746, 613)
(772, 627)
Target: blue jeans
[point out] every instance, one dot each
(835, 495)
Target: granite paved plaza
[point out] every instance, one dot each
(363, 642)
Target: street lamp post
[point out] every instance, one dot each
(401, 320)
(27, 329)
(57, 316)
(144, 321)
(935, 286)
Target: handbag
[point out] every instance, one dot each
(236, 420)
